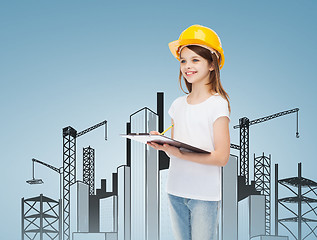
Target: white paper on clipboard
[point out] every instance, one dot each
(161, 139)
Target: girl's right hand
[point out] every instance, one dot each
(154, 133)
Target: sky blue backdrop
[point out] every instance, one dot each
(81, 62)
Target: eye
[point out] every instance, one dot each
(182, 61)
(195, 60)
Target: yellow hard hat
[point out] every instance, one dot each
(198, 35)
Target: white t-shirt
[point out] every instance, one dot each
(193, 124)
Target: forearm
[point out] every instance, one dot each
(214, 158)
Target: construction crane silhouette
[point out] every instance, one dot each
(244, 124)
(49, 201)
(69, 169)
(40, 181)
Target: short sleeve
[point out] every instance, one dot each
(221, 109)
(171, 110)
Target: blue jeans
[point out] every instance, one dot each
(194, 219)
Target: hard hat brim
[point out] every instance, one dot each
(175, 45)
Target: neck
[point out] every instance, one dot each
(201, 90)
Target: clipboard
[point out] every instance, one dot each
(161, 139)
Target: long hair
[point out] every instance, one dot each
(214, 76)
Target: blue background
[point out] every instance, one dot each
(80, 62)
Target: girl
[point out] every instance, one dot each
(200, 118)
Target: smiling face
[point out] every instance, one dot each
(194, 68)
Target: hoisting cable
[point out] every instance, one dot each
(297, 133)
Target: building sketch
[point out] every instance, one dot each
(124, 204)
(108, 214)
(80, 207)
(165, 222)
(144, 179)
(137, 206)
(95, 200)
(229, 206)
(251, 215)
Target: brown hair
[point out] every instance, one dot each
(214, 77)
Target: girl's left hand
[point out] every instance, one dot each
(170, 150)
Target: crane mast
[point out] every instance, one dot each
(69, 169)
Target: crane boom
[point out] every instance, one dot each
(264, 119)
(92, 128)
(259, 120)
(47, 165)
(234, 146)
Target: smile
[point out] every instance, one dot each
(189, 73)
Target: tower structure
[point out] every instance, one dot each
(69, 174)
(300, 206)
(41, 218)
(262, 178)
(89, 168)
